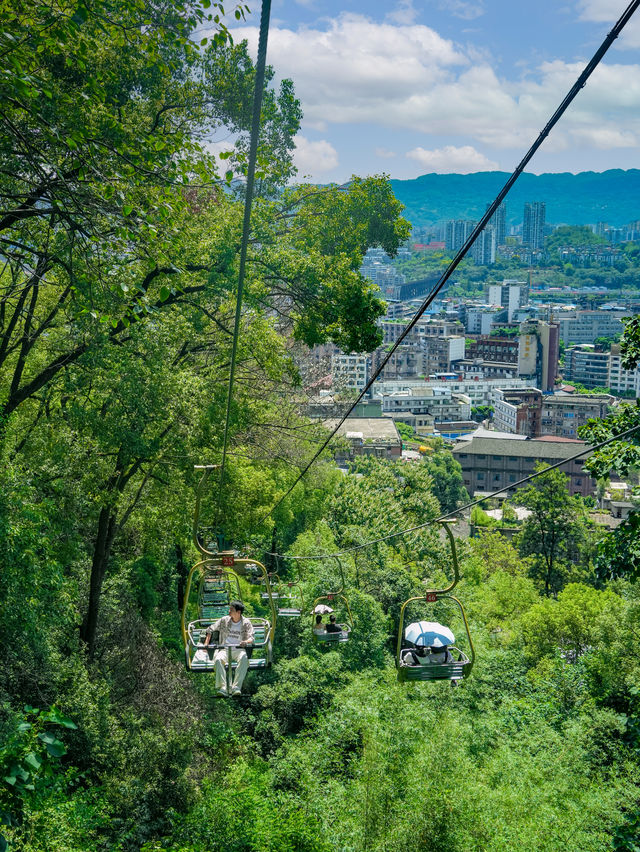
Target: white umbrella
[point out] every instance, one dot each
(323, 609)
(429, 634)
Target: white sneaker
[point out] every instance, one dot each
(236, 691)
(223, 692)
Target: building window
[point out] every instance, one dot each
(480, 475)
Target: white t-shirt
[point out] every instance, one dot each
(234, 636)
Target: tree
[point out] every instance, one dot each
(446, 474)
(106, 109)
(555, 534)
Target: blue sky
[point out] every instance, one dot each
(453, 85)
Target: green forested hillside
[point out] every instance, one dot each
(120, 240)
(571, 199)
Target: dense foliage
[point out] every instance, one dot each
(120, 235)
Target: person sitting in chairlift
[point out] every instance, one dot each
(423, 655)
(233, 631)
(332, 627)
(319, 627)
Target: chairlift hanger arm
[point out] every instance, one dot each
(207, 468)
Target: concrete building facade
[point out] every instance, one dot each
(489, 464)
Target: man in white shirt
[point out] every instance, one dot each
(234, 632)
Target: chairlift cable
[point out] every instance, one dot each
(579, 84)
(470, 505)
(246, 225)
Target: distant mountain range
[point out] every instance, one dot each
(585, 198)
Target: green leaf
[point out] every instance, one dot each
(127, 209)
(24, 726)
(56, 749)
(165, 292)
(33, 760)
(46, 737)
(10, 779)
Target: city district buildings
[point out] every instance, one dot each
(518, 367)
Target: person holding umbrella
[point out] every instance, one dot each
(430, 642)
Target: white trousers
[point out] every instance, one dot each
(238, 655)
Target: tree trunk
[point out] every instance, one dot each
(101, 553)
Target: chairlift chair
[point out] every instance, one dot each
(199, 657)
(215, 576)
(454, 670)
(329, 639)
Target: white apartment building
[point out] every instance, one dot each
(621, 380)
(511, 295)
(349, 372)
(480, 319)
(479, 391)
(439, 403)
(585, 326)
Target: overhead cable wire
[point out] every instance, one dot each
(579, 84)
(246, 224)
(586, 451)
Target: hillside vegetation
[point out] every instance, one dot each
(121, 236)
(571, 199)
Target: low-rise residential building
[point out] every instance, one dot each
(489, 464)
(439, 403)
(563, 414)
(375, 436)
(480, 370)
(478, 389)
(487, 348)
(529, 412)
(517, 411)
(584, 365)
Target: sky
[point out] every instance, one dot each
(453, 85)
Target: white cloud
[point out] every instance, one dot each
(404, 13)
(314, 158)
(462, 160)
(355, 71)
(385, 153)
(463, 9)
(217, 148)
(608, 11)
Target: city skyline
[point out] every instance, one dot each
(458, 87)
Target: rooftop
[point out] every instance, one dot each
(371, 428)
(527, 448)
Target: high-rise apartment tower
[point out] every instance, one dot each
(533, 226)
